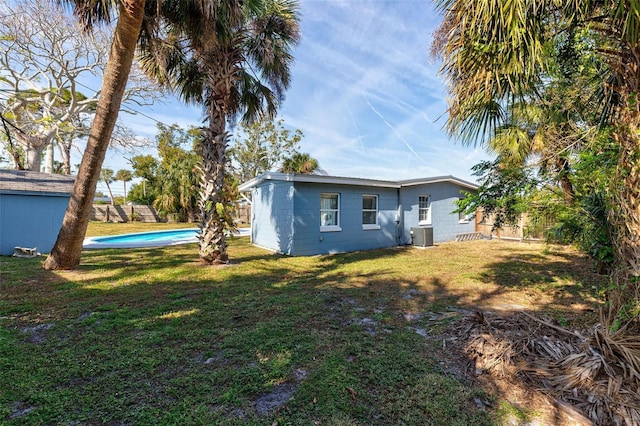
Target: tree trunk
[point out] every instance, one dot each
(49, 158)
(33, 159)
(212, 239)
(33, 147)
(65, 157)
(113, 202)
(213, 217)
(625, 212)
(66, 251)
(563, 169)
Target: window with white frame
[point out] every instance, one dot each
(424, 210)
(370, 212)
(463, 217)
(329, 212)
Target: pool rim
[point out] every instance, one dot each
(97, 242)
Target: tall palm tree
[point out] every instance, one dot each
(233, 57)
(124, 176)
(495, 55)
(532, 136)
(66, 250)
(106, 175)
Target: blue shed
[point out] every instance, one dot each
(299, 214)
(32, 206)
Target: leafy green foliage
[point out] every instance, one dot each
(124, 176)
(301, 162)
(106, 175)
(264, 145)
(504, 192)
(171, 184)
(580, 60)
(145, 167)
(234, 59)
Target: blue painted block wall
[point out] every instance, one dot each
(445, 224)
(286, 216)
(308, 238)
(272, 216)
(30, 221)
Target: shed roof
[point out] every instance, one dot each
(20, 181)
(340, 180)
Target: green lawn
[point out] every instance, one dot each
(149, 336)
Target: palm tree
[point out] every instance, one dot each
(106, 175)
(233, 57)
(124, 176)
(66, 250)
(531, 136)
(495, 56)
(301, 163)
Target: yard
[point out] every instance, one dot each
(149, 336)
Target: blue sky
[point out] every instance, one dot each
(364, 92)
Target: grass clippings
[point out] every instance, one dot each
(149, 336)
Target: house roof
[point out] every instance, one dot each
(436, 179)
(20, 181)
(339, 180)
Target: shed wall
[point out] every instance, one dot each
(30, 220)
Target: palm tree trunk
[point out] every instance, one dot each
(212, 223)
(625, 212)
(563, 170)
(113, 202)
(66, 251)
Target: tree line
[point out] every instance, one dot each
(551, 87)
(169, 181)
(233, 58)
(45, 102)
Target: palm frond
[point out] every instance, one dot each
(92, 12)
(512, 143)
(593, 373)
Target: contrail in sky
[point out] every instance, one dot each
(421, 112)
(397, 134)
(356, 126)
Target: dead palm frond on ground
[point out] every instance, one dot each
(593, 370)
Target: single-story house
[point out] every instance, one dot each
(32, 206)
(300, 215)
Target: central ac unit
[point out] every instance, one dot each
(422, 237)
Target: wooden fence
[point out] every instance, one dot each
(109, 213)
(528, 227)
(242, 213)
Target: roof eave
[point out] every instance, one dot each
(307, 178)
(438, 179)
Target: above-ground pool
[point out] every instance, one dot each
(150, 239)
